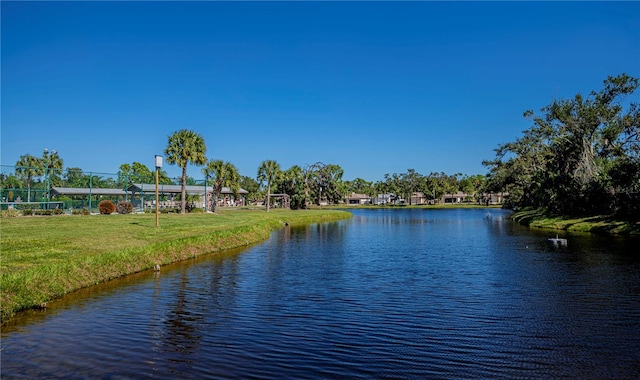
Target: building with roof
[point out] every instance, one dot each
(358, 199)
(142, 195)
(170, 192)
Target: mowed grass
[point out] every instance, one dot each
(42, 258)
(596, 224)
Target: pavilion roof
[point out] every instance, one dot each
(177, 189)
(86, 191)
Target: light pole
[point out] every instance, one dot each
(46, 173)
(158, 166)
(47, 180)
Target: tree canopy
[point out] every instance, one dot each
(221, 174)
(317, 183)
(580, 156)
(27, 168)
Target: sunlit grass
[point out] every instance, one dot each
(42, 258)
(598, 224)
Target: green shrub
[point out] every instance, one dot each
(53, 211)
(124, 207)
(106, 207)
(84, 211)
(170, 210)
(27, 211)
(10, 213)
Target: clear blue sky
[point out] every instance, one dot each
(375, 87)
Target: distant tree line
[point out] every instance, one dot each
(432, 186)
(581, 156)
(307, 185)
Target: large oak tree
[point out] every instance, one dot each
(581, 156)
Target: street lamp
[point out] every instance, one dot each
(46, 173)
(47, 179)
(158, 166)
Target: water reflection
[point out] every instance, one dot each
(181, 336)
(389, 293)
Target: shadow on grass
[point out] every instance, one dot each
(145, 225)
(607, 224)
(526, 217)
(602, 224)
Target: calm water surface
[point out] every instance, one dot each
(401, 293)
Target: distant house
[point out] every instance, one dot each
(383, 199)
(494, 198)
(358, 199)
(486, 198)
(418, 199)
(458, 197)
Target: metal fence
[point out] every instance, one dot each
(30, 187)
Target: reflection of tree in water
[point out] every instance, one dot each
(290, 249)
(223, 291)
(318, 233)
(329, 232)
(204, 300)
(182, 332)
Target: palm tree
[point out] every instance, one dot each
(268, 171)
(289, 178)
(222, 174)
(27, 167)
(53, 164)
(185, 147)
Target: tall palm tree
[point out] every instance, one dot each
(222, 174)
(27, 167)
(53, 164)
(185, 147)
(268, 171)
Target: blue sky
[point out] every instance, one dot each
(375, 87)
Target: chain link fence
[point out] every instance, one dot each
(71, 189)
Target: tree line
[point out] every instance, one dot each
(305, 185)
(581, 156)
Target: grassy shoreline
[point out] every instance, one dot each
(601, 224)
(43, 258)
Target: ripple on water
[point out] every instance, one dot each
(406, 294)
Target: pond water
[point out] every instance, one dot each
(390, 293)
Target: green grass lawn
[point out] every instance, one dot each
(42, 258)
(597, 224)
